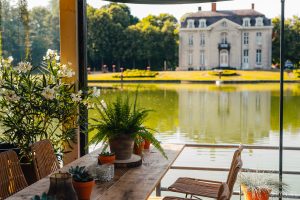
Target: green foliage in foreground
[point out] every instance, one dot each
(135, 73)
(120, 117)
(223, 73)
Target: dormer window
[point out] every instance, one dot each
(224, 24)
(190, 23)
(202, 23)
(246, 22)
(259, 21)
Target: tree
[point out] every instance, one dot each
(292, 39)
(24, 15)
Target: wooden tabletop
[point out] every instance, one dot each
(128, 184)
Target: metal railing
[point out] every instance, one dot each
(159, 188)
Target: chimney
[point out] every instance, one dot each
(199, 8)
(214, 7)
(252, 6)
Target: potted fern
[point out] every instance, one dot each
(120, 125)
(83, 182)
(258, 186)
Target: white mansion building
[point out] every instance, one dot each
(233, 38)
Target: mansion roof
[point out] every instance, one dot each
(235, 16)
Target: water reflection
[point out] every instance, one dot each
(247, 114)
(219, 116)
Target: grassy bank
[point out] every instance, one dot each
(200, 76)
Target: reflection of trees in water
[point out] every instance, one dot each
(291, 113)
(226, 117)
(215, 115)
(164, 104)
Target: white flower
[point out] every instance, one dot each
(57, 58)
(96, 92)
(103, 104)
(76, 97)
(10, 59)
(48, 93)
(11, 95)
(24, 67)
(65, 71)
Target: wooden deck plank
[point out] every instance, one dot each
(128, 184)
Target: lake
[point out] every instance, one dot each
(226, 114)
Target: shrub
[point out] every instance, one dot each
(135, 73)
(297, 73)
(223, 73)
(37, 103)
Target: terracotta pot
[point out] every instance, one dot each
(122, 146)
(83, 189)
(138, 149)
(147, 144)
(102, 159)
(263, 194)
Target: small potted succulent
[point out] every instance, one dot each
(83, 182)
(139, 146)
(147, 144)
(106, 158)
(44, 196)
(258, 186)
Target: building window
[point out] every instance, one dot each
(246, 38)
(246, 22)
(259, 21)
(190, 23)
(258, 56)
(259, 38)
(246, 56)
(202, 23)
(224, 24)
(191, 40)
(224, 38)
(202, 58)
(190, 58)
(202, 39)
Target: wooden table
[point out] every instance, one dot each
(128, 184)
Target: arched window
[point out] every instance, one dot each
(224, 38)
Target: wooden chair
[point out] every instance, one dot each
(44, 159)
(223, 194)
(209, 188)
(12, 178)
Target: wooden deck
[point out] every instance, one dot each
(128, 184)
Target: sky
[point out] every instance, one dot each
(271, 8)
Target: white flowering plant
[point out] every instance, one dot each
(40, 103)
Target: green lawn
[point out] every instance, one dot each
(202, 76)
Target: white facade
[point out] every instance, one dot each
(225, 43)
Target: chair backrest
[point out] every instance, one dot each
(224, 193)
(12, 178)
(44, 159)
(236, 166)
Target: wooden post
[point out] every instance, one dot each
(69, 53)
